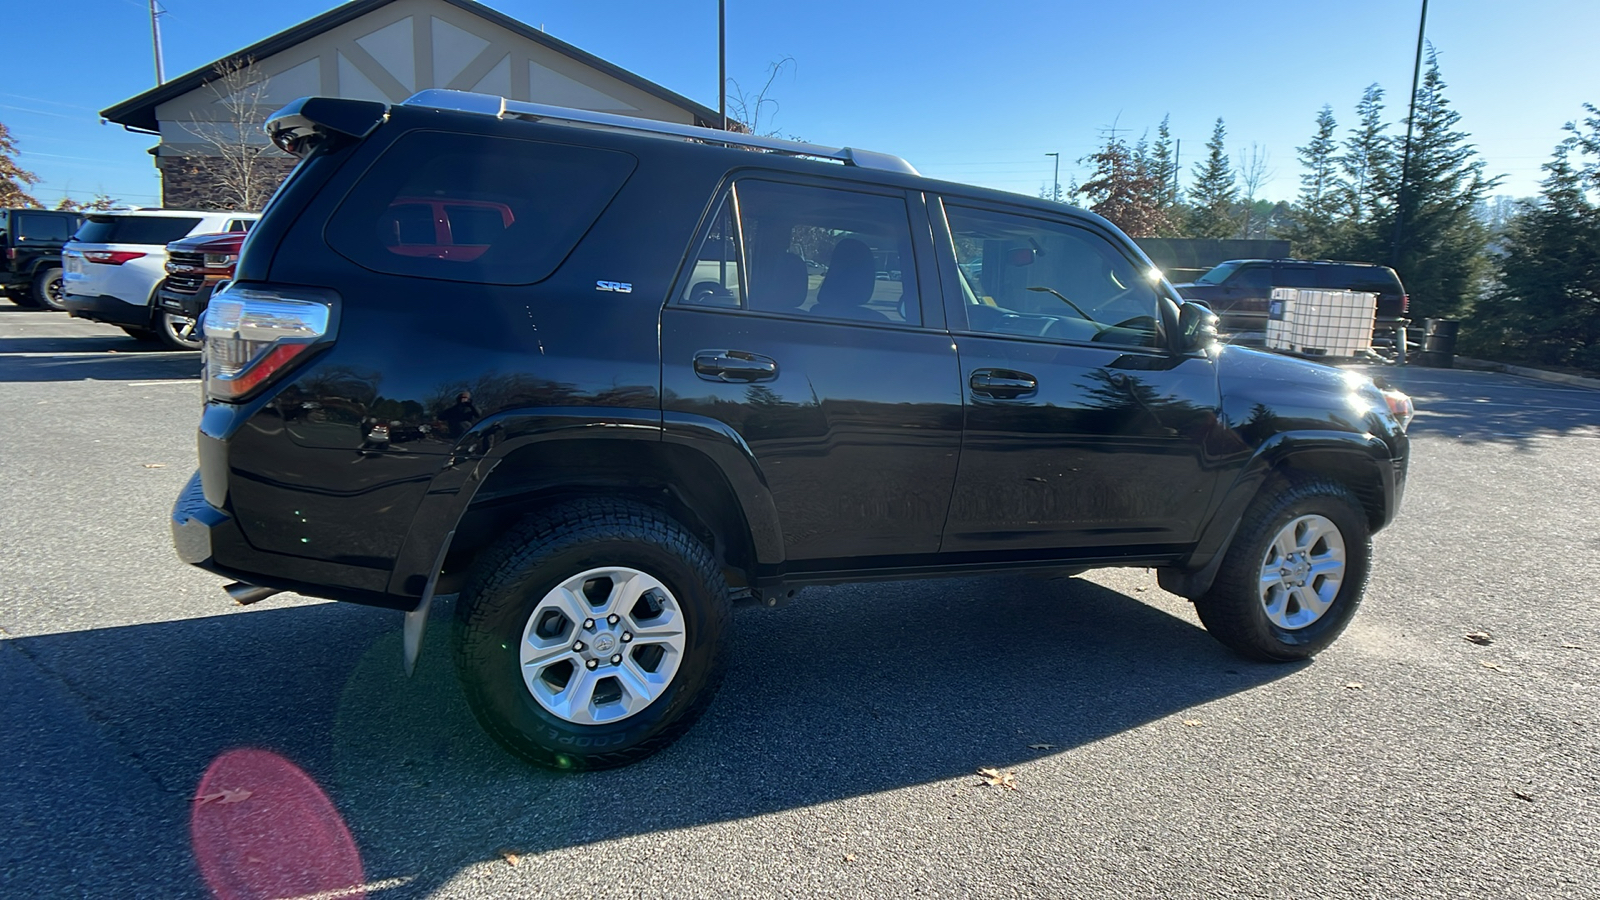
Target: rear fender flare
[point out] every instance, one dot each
(481, 450)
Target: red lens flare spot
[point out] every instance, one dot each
(261, 828)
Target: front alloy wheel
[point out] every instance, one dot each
(178, 332)
(1294, 574)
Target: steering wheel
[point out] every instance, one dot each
(708, 293)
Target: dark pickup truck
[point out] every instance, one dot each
(30, 244)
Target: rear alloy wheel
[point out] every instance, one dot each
(1294, 575)
(593, 635)
(47, 290)
(177, 332)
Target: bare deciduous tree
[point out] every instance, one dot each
(1253, 176)
(238, 161)
(749, 109)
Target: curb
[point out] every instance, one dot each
(1483, 365)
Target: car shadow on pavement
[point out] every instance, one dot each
(98, 357)
(849, 691)
(1489, 407)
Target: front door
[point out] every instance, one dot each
(801, 328)
(1082, 429)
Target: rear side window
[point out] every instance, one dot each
(1257, 278)
(43, 228)
(473, 208)
(1373, 279)
(159, 230)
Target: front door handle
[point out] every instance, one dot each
(734, 366)
(1002, 384)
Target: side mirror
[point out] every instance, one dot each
(1197, 326)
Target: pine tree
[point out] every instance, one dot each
(1546, 307)
(14, 180)
(1213, 194)
(1440, 255)
(1164, 166)
(1311, 221)
(1366, 159)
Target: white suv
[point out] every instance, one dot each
(112, 266)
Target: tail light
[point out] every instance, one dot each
(1405, 303)
(253, 335)
(111, 257)
(11, 253)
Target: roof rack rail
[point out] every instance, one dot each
(500, 107)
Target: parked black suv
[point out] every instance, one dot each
(602, 376)
(30, 244)
(1240, 290)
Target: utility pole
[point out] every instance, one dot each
(1405, 159)
(156, 12)
(1055, 192)
(1177, 166)
(722, 61)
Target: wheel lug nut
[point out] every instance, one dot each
(578, 647)
(613, 618)
(592, 664)
(627, 636)
(616, 659)
(588, 623)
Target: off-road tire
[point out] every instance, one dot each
(1233, 610)
(542, 551)
(46, 289)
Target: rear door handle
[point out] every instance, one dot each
(1002, 384)
(734, 366)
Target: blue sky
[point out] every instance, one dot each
(968, 92)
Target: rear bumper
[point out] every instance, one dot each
(108, 309)
(209, 538)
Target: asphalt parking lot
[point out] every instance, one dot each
(840, 758)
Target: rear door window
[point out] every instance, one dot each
(159, 230)
(1252, 278)
(40, 229)
(473, 208)
(1296, 277)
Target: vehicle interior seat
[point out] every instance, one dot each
(851, 279)
(779, 283)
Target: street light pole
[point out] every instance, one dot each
(1055, 191)
(1405, 158)
(722, 62)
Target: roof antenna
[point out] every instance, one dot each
(156, 12)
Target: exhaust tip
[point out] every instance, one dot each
(244, 593)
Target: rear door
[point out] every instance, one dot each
(1082, 430)
(808, 325)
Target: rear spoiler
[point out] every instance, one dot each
(312, 121)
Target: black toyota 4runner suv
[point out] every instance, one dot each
(602, 377)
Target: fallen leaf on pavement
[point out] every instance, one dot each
(511, 856)
(155, 465)
(1489, 665)
(1192, 723)
(996, 778)
(849, 857)
(1481, 638)
(1354, 685)
(1521, 796)
(1041, 746)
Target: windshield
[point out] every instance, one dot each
(1218, 275)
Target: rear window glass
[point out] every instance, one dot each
(472, 208)
(43, 228)
(1373, 279)
(159, 230)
